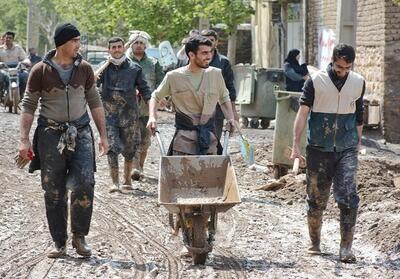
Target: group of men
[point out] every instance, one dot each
(63, 147)
(131, 87)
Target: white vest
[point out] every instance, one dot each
(328, 99)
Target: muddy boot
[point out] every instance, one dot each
(58, 251)
(114, 173)
(314, 219)
(127, 176)
(79, 243)
(347, 225)
(136, 169)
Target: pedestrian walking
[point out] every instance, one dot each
(63, 146)
(153, 74)
(332, 101)
(118, 83)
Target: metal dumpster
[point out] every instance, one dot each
(255, 94)
(286, 111)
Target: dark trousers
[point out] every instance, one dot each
(323, 168)
(219, 125)
(71, 171)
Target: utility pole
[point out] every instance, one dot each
(29, 25)
(32, 26)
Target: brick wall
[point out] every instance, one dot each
(314, 23)
(320, 13)
(391, 98)
(370, 44)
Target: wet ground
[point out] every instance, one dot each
(263, 237)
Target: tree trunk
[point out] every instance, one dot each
(232, 46)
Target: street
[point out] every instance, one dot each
(265, 236)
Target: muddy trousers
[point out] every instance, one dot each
(73, 171)
(323, 170)
(122, 140)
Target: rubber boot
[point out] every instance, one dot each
(136, 169)
(314, 219)
(58, 251)
(347, 226)
(127, 175)
(79, 243)
(114, 173)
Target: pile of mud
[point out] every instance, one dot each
(378, 187)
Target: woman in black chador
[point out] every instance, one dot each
(296, 74)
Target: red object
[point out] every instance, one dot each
(30, 155)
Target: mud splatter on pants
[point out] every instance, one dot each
(59, 173)
(122, 140)
(323, 168)
(145, 140)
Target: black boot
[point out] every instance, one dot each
(314, 219)
(348, 218)
(79, 243)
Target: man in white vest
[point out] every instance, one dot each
(332, 101)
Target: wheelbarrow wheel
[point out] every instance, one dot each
(199, 239)
(254, 123)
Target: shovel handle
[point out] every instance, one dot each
(160, 143)
(296, 164)
(226, 141)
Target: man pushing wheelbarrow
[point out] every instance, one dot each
(196, 187)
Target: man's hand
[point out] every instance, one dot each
(231, 125)
(297, 154)
(25, 149)
(103, 146)
(152, 125)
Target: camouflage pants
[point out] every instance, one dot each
(72, 170)
(145, 139)
(323, 168)
(122, 140)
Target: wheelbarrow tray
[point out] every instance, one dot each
(197, 182)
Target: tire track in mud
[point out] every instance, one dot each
(236, 267)
(172, 263)
(109, 226)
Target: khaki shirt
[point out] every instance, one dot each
(197, 103)
(14, 54)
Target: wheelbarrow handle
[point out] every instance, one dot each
(226, 142)
(160, 143)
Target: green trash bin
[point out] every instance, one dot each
(255, 94)
(286, 111)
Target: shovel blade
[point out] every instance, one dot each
(247, 151)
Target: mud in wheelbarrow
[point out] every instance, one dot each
(208, 181)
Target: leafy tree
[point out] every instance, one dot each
(13, 18)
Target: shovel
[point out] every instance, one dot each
(246, 149)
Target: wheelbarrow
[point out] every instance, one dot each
(194, 189)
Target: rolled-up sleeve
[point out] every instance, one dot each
(163, 90)
(33, 90)
(223, 91)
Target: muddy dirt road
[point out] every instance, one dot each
(263, 237)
